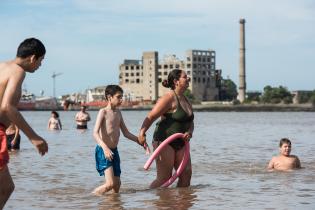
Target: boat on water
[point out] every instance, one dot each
(29, 101)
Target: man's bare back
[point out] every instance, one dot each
(29, 56)
(10, 74)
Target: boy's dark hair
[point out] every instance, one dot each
(284, 141)
(31, 46)
(112, 90)
(55, 113)
(174, 74)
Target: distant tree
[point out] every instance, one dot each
(312, 99)
(276, 95)
(304, 96)
(253, 96)
(228, 90)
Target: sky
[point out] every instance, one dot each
(87, 40)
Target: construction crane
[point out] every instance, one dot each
(54, 75)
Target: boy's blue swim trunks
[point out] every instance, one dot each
(102, 163)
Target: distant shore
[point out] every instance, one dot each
(244, 108)
(216, 107)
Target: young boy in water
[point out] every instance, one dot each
(29, 56)
(106, 132)
(284, 161)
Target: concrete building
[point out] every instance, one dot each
(95, 94)
(142, 79)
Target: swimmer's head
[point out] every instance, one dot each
(54, 114)
(111, 90)
(175, 74)
(31, 46)
(285, 147)
(284, 141)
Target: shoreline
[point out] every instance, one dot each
(243, 108)
(218, 108)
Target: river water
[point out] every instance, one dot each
(230, 151)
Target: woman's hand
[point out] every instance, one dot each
(142, 139)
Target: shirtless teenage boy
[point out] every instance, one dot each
(106, 132)
(29, 56)
(284, 161)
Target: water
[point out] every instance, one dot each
(229, 150)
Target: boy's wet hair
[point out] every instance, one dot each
(284, 141)
(174, 74)
(31, 46)
(112, 90)
(55, 113)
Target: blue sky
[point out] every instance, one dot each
(86, 40)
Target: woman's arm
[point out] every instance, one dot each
(48, 126)
(60, 124)
(162, 106)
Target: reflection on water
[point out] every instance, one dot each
(175, 198)
(229, 153)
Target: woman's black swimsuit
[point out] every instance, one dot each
(175, 122)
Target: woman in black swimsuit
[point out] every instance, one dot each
(176, 117)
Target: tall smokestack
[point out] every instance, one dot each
(242, 78)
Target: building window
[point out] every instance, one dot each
(137, 67)
(188, 72)
(131, 67)
(171, 66)
(131, 74)
(194, 79)
(177, 66)
(138, 74)
(198, 80)
(203, 80)
(126, 74)
(159, 66)
(165, 72)
(126, 67)
(188, 58)
(195, 59)
(137, 80)
(127, 80)
(188, 65)
(160, 80)
(165, 66)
